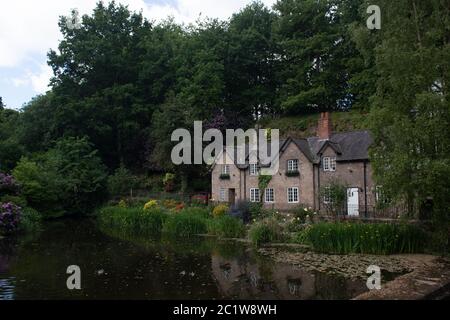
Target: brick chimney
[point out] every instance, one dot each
(324, 128)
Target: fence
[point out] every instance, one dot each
(186, 197)
(371, 212)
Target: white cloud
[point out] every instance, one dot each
(29, 28)
(38, 81)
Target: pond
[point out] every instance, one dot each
(124, 266)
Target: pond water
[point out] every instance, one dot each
(123, 266)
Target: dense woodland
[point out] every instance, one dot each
(123, 83)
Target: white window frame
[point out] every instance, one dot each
(269, 197)
(222, 195)
(293, 165)
(329, 164)
(253, 193)
(226, 169)
(327, 195)
(333, 164)
(254, 169)
(295, 195)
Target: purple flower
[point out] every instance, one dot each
(9, 217)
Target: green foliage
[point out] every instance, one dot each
(256, 210)
(336, 192)
(169, 182)
(121, 182)
(302, 212)
(226, 227)
(17, 200)
(30, 221)
(197, 211)
(220, 210)
(263, 182)
(265, 231)
(410, 113)
(67, 179)
(377, 238)
(317, 54)
(133, 219)
(184, 225)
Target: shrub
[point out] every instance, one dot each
(265, 231)
(10, 215)
(133, 219)
(379, 238)
(30, 221)
(169, 182)
(220, 210)
(226, 227)
(122, 204)
(170, 203)
(197, 211)
(184, 225)
(8, 183)
(256, 210)
(17, 200)
(152, 204)
(121, 182)
(179, 207)
(301, 212)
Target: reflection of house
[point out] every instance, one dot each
(306, 166)
(248, 279)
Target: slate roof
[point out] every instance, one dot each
(349, 146)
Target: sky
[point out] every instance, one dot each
(29, 28)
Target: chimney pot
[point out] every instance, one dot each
(324, 127)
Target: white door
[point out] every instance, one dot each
(352, 202)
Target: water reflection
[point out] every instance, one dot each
(124, 266)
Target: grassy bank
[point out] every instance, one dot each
(377, 238)
(158, 219)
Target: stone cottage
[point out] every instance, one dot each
(306, 168)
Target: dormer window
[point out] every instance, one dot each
(292, 165)
(254, 169)
(329, 163)
(226, 169)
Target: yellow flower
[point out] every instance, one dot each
(151, 204)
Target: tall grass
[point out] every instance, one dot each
(226, 227)
(378, 238)
(133, 219)
(184, 224)
(265, 231)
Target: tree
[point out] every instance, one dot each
(10, 148)
(251, 63)
(410, 116)
(67, 179)
(315, 50)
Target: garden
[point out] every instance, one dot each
(259, 226)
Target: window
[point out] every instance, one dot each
(254, 195)
(292, 195)
(254, 169)
(329, 163)
(293, 165)
(333, 164)
(269, 195)
(222, 195)
(226, 169)
(327, 195)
